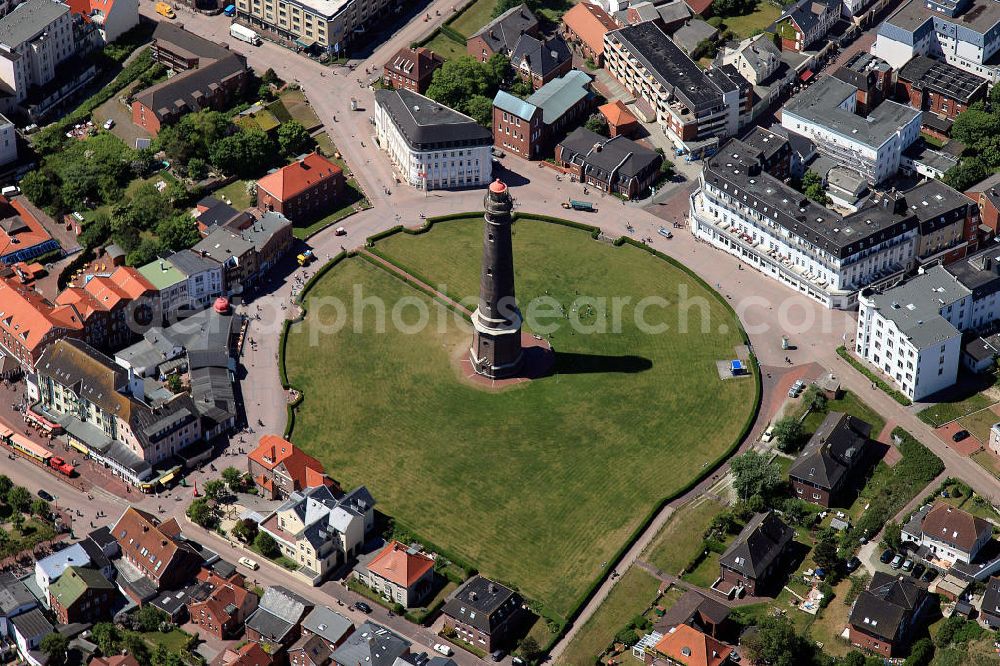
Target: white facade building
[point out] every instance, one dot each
(8, 141)
(743, 210)
(872, 146)
(327, 25)
(34, 39)
(432, 146)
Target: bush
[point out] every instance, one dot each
(267, 546)
(863, 369)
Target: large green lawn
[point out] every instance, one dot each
(760, 18)
(543, 483)
(682, 536)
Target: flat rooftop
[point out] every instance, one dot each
(819, 104)
(980, 17)
(915, 306)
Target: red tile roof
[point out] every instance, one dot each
(251, 654)
(699, 6)
(617, 113)
(398, 565)
(115, 660)
(688, 646)
(146, 541)
(19, 229)
(590, 23)
(104, 293)
(296, 178)
(28, 317)
(414, 64)
(305, 470)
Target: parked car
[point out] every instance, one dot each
(443, 649)
(109, 123)
(852, 564)
(887, 556)
(497, 655)
(960, 435)
(896, 562)
(768, 435)
(799, 385)
(918, 570)
(666, 233)
(908, 565)
(363, 607)
(46, 495)
(249, 564)
(929, 575)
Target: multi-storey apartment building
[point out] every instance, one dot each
(324, 25)
(694, 107)
(35, 38)
(742, 209)
(186, 281)
(872, 145)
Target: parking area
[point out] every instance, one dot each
(966, 446)
(123, 128)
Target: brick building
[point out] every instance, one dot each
(754, 561)
(501, 34)
(83, 594)
(485, 614)
(220, 606)
(411, 69)
(617, 165)
(884, 616)
(824, 466)
(938, 87)
(584, 27)
(304, 190)
(279, 469)
(155, 549)
(528, 127)
(539, 61)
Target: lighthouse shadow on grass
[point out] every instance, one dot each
(569, 363)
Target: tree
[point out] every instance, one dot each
(921, 653)
(106, 636)
(40, 508)
(245, 153)
(732, 7)
(95, 231)
(40, 188)
(19, 499)
(245, 530)
(136, 646)
(975, 125)
(892, 535)
(178, 232)
(214, 489)
(506, 5)
(815, 398)
(54, 646)
(825, 551)
(233, 477)
(201, 513)
(529, 649)
(480, 109)
(293, 138)
(854, 658)
(5, 485)
(598, 124)
(966, 173)
(146, 251)
(197, 168)
(266, 545)
(812, 187)
(149, 618)
(459, 83)
(17, 520)
(754, 475)
(789, 433)
(776, 643)
(270, 76)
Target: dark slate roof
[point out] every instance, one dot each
(991, 598)
(427, 125)
(763, 539)
(936, 205)
(887, 603)
(832, 450)
(671, 67)
(32, 624)
(934, 75)
(766, 142)
(690, 606)
(806, 13)
(542, 57)
(605, 155)
(102, 537)
(371, 645)
(13, 593)
(482, 603)
(219, 212)
(280, 610)
(191, 263)
(502, 33)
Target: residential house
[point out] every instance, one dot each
(772, 151)
(371, 644)
(237, 256)
(84, 595)
(319, 531)
(826, 464)
(222, 605)
(210, 212)
(501, 34)
(484, 613)
(618, 165)
(806, 22)
(207, 76)
(249, 654)
(949, 533)
(756, 58)
(106, 413)
(29, 629)
(115, 660)
(529, 127)
(940, 88)
(411, 68)
(754, 562)
(29, 322)
(22, 235)
(186, 281)
(399, 573)
(112, 308)
(110, 18)
(948, 222)
(987, 197)
(694, 608)
(584, 27)
(279, 469)
(15, 598)
(309, 651)
(692, 36)
(884, 616)
(621, 121)
(51, 567)
(539, 61)
(271, 236)
(276, 624)
(989, 611)
(433, 147)
(873, 77)
(304, 190)
(328, 626)
(687, 646)
(156, 549)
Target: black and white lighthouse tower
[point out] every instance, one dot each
(496, 340)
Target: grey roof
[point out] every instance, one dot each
(279, 611)
(693, 33)
(806, 13)
(315, 648)
(32, 624)
(832, 451)
(934, 75)
(427, 125)
(937, 205)
(689, 607)
(846, 179)
(14, 594)
(978, 349)
(936, 122)
(766, 142)
(223, 246)
(991, 598)
(986, 183)
(218, 212)
(922, 153)
(887, 604)
(28, 19)
(915, 306)
(672, 12)
(371, 645)
(980, 17)
(191, 263)
(483, 604)
(542, 57)
(503, 32)
(327, 623)
(205, 330)
(213, 395)
(261, 231)
(979, 272)
(820, 104)
(761, 542)
(620, 153)
(559, 95)
(758, 51)
(671, 67)
(736, 164)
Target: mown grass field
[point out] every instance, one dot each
(680, 539)
(541, 483)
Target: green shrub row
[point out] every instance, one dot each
(863, 369)
(452, 34)
(594, 232)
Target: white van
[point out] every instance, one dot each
(10, 191)
(249, 564)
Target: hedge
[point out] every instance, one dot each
(452, 34)
(878, 381)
